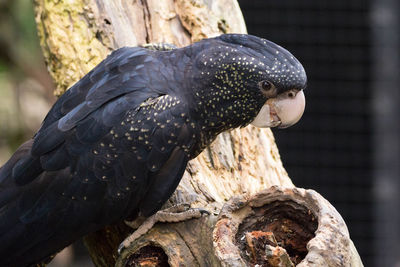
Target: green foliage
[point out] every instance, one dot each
(3, 67)
(20, 54)
(28, 42)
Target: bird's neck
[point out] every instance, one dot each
(220, 108)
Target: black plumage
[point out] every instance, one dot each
(116, 144)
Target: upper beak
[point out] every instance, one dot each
(283, 111)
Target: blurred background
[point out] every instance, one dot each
(346, 147)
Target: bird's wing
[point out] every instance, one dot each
(114, 76)
(134, 168)
(89, 109)
(113, 145)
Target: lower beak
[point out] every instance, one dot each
(282, 111)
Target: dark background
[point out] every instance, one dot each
(347, 145)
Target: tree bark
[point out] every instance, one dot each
(77, 35)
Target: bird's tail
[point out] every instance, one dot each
(7, 183)
(10, 191)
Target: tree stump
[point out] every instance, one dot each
(267, 221)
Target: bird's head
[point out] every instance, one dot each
(248, 79)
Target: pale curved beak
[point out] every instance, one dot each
(282, 111)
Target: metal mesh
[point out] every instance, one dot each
(330, 149)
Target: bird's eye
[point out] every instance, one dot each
(291, 94)
(265, 85)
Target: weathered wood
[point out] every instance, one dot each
(302, 221)
(76, 35)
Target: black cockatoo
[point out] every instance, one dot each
(116, 144)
